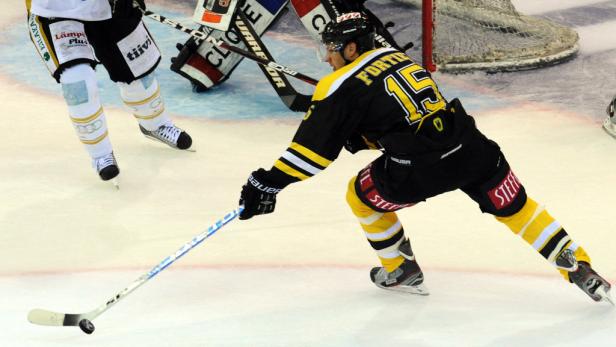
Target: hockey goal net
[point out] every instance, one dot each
(489, 35)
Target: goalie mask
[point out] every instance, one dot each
(348, 27)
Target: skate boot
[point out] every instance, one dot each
(586, 278)
(406, 278)
(107, 168)
(169, 135)
(609, 124)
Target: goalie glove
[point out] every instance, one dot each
(258, 195)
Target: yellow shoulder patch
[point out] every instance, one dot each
(326, 83)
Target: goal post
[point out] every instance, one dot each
(489, 35)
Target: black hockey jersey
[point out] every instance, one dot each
(382, 96)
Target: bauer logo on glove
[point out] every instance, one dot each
(258, 195)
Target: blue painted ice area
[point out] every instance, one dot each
(246, 95)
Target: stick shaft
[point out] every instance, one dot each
(45, 317)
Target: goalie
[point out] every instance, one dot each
(206, 66)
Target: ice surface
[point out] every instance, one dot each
(298, 277)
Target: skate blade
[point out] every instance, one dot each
(419, 289)
(609, 128)
(159, 141)
(116, 183)
(605, 295)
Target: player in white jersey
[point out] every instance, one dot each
(72, 37)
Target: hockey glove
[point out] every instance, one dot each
(355, 143)
(258, 195)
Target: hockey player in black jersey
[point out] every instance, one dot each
(381, 99)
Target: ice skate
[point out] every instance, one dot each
(609, 124)
(170, 135)
(406, 278)
(107, 168)
(587, 279)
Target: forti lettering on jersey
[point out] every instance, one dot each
(378, 66)
(506, 191)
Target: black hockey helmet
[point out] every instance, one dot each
(349, 27)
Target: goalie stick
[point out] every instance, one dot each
(200, 35)
(46, 317)
(294, 100)
(290, 97)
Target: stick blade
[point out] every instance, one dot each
(44, 317)
(605, 295)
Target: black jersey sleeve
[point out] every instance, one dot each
(328, 123)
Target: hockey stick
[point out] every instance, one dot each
(290, 97)
(200, 35)
(46, 317)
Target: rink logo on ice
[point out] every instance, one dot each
(139, 51)
(506, 191)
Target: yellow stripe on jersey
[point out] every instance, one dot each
(306, 152)
(289, 170)
(331, 82)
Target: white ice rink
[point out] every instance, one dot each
(299, 277)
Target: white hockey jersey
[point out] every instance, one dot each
(87, 10)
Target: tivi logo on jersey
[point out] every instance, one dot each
(139, 50)
(506, 191)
